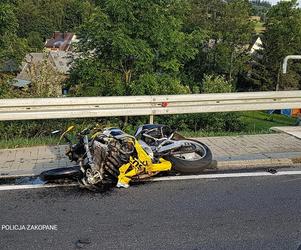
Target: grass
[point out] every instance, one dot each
(28, 142)
(256, 123)
(262, 121)
(259, 27)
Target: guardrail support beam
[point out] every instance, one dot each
(150, 106)
(284, 65)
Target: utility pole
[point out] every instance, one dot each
(284, 71)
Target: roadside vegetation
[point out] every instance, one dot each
(146, 47)
(257, 122)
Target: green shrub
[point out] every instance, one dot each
(209, 122)
(10, 130)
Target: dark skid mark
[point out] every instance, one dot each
(81, 243)
(21, 181)
(272, 170)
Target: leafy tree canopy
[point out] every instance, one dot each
(229, 32)
(45, 17)
(281, 38)
(136, 46)
(11, 47)
(260, 8)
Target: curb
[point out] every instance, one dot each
(13, 176)
(220, 165)
(294, 131)
(258, 163)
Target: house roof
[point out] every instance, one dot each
(62, 60)
(60, 41)
(33, 58)
(9, 66)
(59, 60)
(256, 45)
(20, 83)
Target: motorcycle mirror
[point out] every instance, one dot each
(70, 128)
(55, 132)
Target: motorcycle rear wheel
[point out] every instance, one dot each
(186, 164)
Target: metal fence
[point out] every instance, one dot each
(78, 107)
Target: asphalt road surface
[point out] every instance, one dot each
(234, 213)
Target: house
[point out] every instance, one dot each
(9, 67)
(256, 45)
(211, 44)
(252, 47)
(255, 18)
(62, 61)
(61, 41)
(59, 61)
(58, 55)
(23, 77)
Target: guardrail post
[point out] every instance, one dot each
(151, 119)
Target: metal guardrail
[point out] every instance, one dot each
(77, 107)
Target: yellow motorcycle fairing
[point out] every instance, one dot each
(141, 165)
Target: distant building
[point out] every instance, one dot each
(255, 18)
(23, 77)
(60, 61)
(10, 67)
(256, 45)
(252, 47)
(61, 41)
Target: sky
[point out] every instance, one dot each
(275, 1)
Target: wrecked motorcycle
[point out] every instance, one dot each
(111, 156)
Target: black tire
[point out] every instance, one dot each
(191, 166)
(62, 173)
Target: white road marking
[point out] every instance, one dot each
(229, 175)
(33, 186)
(168, 178)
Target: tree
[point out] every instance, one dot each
(45, 17)
(204, 14)
(281, 38)
(216, 84)
(133, 47)
(11, 47)
(8, 21)
(226, 121)
(75, 12)
(45, 80)
(228, 30)
(38, 17)
(35, 41)
(236, 33)
(260, 8)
